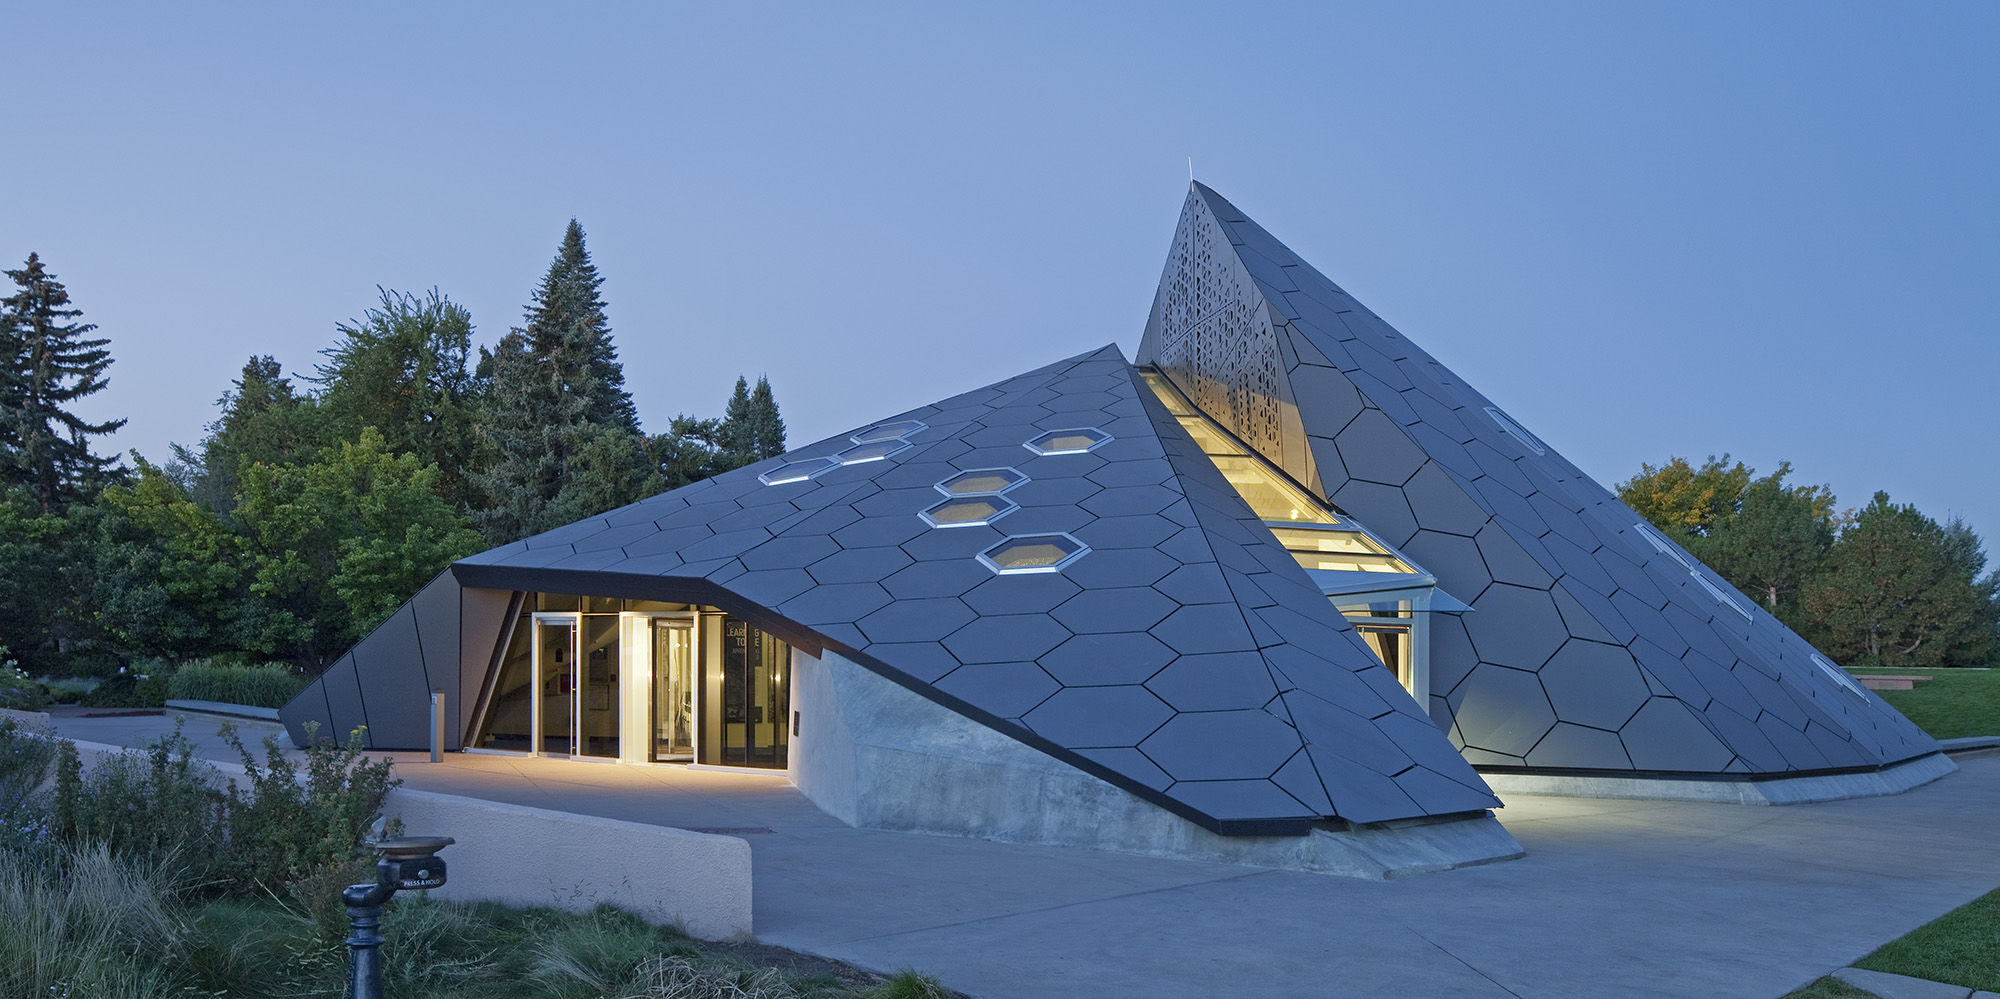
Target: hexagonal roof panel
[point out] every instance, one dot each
(867, 544)
(1297, 369)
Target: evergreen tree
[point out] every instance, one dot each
(557, 391)
(767, 427)
(264, 421)
(401, 369)
(689, 451)
(50, 361)
(736, 439)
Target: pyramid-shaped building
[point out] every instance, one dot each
(1269, 594)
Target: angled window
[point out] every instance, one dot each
(875, 451)
(796, 471)
(1075, 441)
(1517, 431)
(981, 482)
(1668, 548)
(1340, 551)
(1839, 675)
(969, 511)
(899, 430)
(1735, 602)
(1033, 553)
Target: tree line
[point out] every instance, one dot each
(315, 504)
(1884, 586)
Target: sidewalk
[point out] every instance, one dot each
(1615, 898)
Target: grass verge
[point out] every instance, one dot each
(1954, 703)
(1959, 947)
(1829, 988)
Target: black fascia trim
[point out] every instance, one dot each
(677, 589)
(639, 586)
(1697, 775)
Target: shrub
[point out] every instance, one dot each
(161, 807)
(135, 688)
(18, 690)
(285, 829)
(25, 761)
(266, 686)
(67, 691)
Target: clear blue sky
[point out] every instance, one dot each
(1644, 229)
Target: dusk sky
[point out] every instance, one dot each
(1643, 229)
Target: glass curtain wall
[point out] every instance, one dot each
(581, 676)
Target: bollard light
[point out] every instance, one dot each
(406, 862)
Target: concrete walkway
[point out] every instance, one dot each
(1615, 898)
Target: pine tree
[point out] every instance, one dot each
(767, 427)
(50, 361)
(264, 421)
(558, 409)
(737, 438)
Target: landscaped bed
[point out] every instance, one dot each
(148, 875)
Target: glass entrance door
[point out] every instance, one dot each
(555, 672)
(673, 690)
(746, 705)
(596, 708)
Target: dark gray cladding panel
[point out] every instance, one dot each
(1176, 605)
(1404, 446)
(483, 616)
(437, 609)
(307, 709)
(389, 664)
(343, 702)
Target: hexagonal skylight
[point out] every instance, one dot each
(796, 471)
(872, 451)
(981, 482)
(899, 430)
(969, 511)
(1073, 441)
(1033, 553)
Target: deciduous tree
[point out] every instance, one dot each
(1896, 594)
(402, 369)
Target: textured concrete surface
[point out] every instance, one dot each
(227, 710)
(1615, 897)
(880, 757)
(518, 855)
(1784, 791)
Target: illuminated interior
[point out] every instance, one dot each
(1381, 592)
(1315, 535)
(640, 682)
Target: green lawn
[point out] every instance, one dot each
(1959, 947)
(1829, 988)
(1952, 704)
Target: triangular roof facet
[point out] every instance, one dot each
(1595, 643)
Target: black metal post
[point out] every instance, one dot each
(364, 905)
(364, 938)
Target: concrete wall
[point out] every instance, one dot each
(518, 855)
(875, 755)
